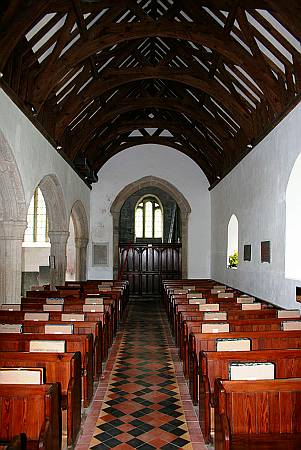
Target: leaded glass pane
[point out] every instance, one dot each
(37, 226)
(29, 232)
(41, 218)
(139, 223)
(158, 223)
(148, 219)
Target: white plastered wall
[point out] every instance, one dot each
(255, 192)
(170, 165)
(35, 157)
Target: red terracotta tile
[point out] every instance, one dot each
(124, 447)
(124, 437)
(126, 427)
(142, 349)
(157, 443)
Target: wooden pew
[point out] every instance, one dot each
(223, 306)
(196, 285)
(260, 340)
(63, 368)
(96, 323)
(186, 319)
(17, 443)
(108, 317)
(82, 343)
(34, 410)
(260, 415)
(93, 328)
(214, 365)
(75, 293)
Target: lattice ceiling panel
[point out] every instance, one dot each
(208, 77)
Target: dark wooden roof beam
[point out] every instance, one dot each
(78, 141)
(122, 76)
(139, 30)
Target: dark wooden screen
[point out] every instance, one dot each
(147, 265)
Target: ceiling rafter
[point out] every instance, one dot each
(213, 38)
(120, 107)
(116, 78)
(174, 127)
(208, 78)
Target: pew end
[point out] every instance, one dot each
(17, 443)
(242, 421)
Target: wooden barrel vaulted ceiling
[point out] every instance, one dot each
(207, 77)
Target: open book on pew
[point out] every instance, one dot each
(251, 371)
(11, 307)
(22, 375)
(11, 328)
(47, 346)
(232, 344)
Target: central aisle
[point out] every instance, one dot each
(142, 407)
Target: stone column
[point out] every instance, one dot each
(11, 238)
(58, 240)
(184, 245)
(116, 216)
(81, 258)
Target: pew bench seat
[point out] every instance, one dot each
(82, 343)
(284, 441)
(261, 415)
(33, 410)
(62, 368)
(17, 443)
(214, 365)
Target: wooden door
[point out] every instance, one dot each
(145, 266)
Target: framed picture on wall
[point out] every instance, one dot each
(266, 251)
(100, 254)
(247, 252)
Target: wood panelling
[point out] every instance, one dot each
(146, 266)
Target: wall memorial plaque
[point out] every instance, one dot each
(247, 252)
(266, 251)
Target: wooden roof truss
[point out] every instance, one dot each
(208, 77)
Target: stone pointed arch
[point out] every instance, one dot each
(55, 202)
(81, 229)
(13, 221)
(58, 226)
(151, 181)
(12, 198)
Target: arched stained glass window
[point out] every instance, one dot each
(149, 219)
(37, 220)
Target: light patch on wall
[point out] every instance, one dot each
(293, 219)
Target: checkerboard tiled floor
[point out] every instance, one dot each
(146, 404)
